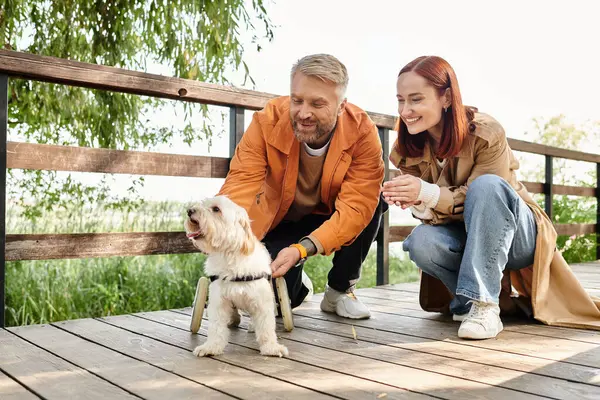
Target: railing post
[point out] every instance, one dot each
(236, 128)
(597, 211)
(383, 236)
(3, 133)
(548, 188)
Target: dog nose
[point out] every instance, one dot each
(191, 212)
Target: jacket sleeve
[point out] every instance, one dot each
(399, 162)
(248, 167)
(358, 196)
(491, 156)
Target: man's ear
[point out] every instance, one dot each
(343, 106)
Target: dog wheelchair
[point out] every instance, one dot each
(284, 306)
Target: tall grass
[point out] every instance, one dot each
(53, 290)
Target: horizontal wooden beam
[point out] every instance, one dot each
(537, 187)
(84, 159)
(93, 76)
(528, 147)
(575, 229)
(95, 245)
(399, 232)
(92, 245)
(74, 73)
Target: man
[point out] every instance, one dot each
(308, 171)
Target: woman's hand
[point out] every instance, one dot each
(403, 190)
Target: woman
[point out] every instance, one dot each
(483, 237)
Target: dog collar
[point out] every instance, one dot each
(246, 278)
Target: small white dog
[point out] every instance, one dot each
(240, 270)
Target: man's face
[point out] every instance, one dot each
(314, 108)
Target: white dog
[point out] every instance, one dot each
(240, 270)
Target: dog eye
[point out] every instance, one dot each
(216, 209)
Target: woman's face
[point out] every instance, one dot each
(419, 104)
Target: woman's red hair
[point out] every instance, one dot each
(457, 118)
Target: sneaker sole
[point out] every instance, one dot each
(483, 336)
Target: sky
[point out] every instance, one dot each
(515, 60)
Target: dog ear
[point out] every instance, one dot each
(249, 238)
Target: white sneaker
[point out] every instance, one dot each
(344, 304)
(309, 285)
(482, 322)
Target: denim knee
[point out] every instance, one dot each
(485, 190)
(418, 245)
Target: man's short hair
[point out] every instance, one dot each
(325, 67)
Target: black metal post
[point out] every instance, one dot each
(383, 236)
(597, 211)
(3, 133)
(236, 128)
(548, 188)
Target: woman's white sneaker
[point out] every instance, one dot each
(482, 322)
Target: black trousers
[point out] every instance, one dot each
(347, 261)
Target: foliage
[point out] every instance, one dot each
(199, 40)
(558, 132)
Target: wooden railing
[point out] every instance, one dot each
(66, 158)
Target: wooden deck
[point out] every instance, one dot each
(401, 352)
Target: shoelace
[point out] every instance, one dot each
(478, 313)
(351, 295)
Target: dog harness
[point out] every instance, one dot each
(246, 278)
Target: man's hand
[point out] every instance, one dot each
(285, 260)
(403, 189)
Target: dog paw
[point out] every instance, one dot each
(275, 350)
(207, 350)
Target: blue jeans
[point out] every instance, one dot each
(499, 231)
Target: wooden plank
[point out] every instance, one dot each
(49, 376)
(396, 331)
(57, 70)
(242, 351)
(217, 372)
(380, 301)
(521, 145)
(117, 368)
(447, 360)
(74, 73)
(84, 159)
(442, 357)
(584, 354)
(537, 187)
(400, 232)
(84, 245)
(12, 390)
(456, 367)
(322, 352)
(575, 229)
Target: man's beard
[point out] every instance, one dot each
(312, 138)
